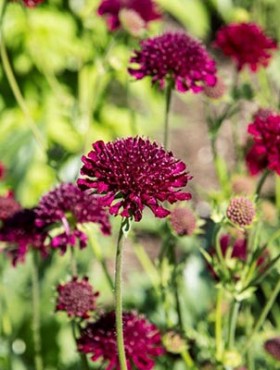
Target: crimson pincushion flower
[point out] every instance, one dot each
(175, 57)
(265, 150)
(246, 44)
(111, 9)
(142, 341)
(19, 232)
(76, 297)
(133, 173)
(68, 206)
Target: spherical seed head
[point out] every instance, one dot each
(246, 44)
(111, 9)
(272, 346)
(132, 22)
(265, 150)
(20, 233)
(68, 206)
(241, 211)
(217, 91)
(142, 341)
(76, 297)
(183, 221)
(175, 57)
(8, 206)
(133, 173)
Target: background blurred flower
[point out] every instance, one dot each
(68, 206)
(142, 341)
(265, 151)
(111, 9)
(246, 44)
(32, 3)
(76, 297)
(2, 171)
(183, 221)
(272, 346)
(8, 206)
(175, 57)
(20, 233)
(136, 171)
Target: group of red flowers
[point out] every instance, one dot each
(125, 176)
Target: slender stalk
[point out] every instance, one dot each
(169, 89)
(219, 325)
(264, 313)
(36, 324)
(118, 299)
(232, 323)
(261, 182)
(18, 95)
(187, 359)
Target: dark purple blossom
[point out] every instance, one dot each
(246, 44)
(272, 346)
(8, 206)
(110, 9)
(142, 341)
(76, 297)
(133, 173)
(175, 57)
(19, 232)
(68, 206)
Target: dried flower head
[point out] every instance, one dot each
(76, 297)
(132, 22)
(265, 150)
(272, 346)
(135, 173)
(246, 44)
(217, 91)
(8, 206)
(241, 211)
(183, 221)
(142, 341)
(20, 233)
(175, 57)
(68, 206)
(110, 9)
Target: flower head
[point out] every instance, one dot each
(68, 206)
(265, 151)
(8, 206)
(76, 297)
(142, 341)
(136, 173)
(110, 9)
(132, 22)
(272, 346)
(177, 57)
(246, 44)
(241, 211)
(2, 171)
(20, 233)
(183, 221)
(217, 91)
(32, 3)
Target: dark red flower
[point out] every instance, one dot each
(68, 206)
(272, 346)
(265, 151)
(32, 3)
(110, 9)
(8, 206)
(76, 297)
(20, 233)
(177, 57)
(142, 341)
(246, 44)
(135, 173)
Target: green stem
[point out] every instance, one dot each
(264, 313)
(261, 182)
(168, 98)
(18, 95)
(187, 359)
(176, 284)
(219, 325)
(118, 299)
(36, 325)
(232, 323)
